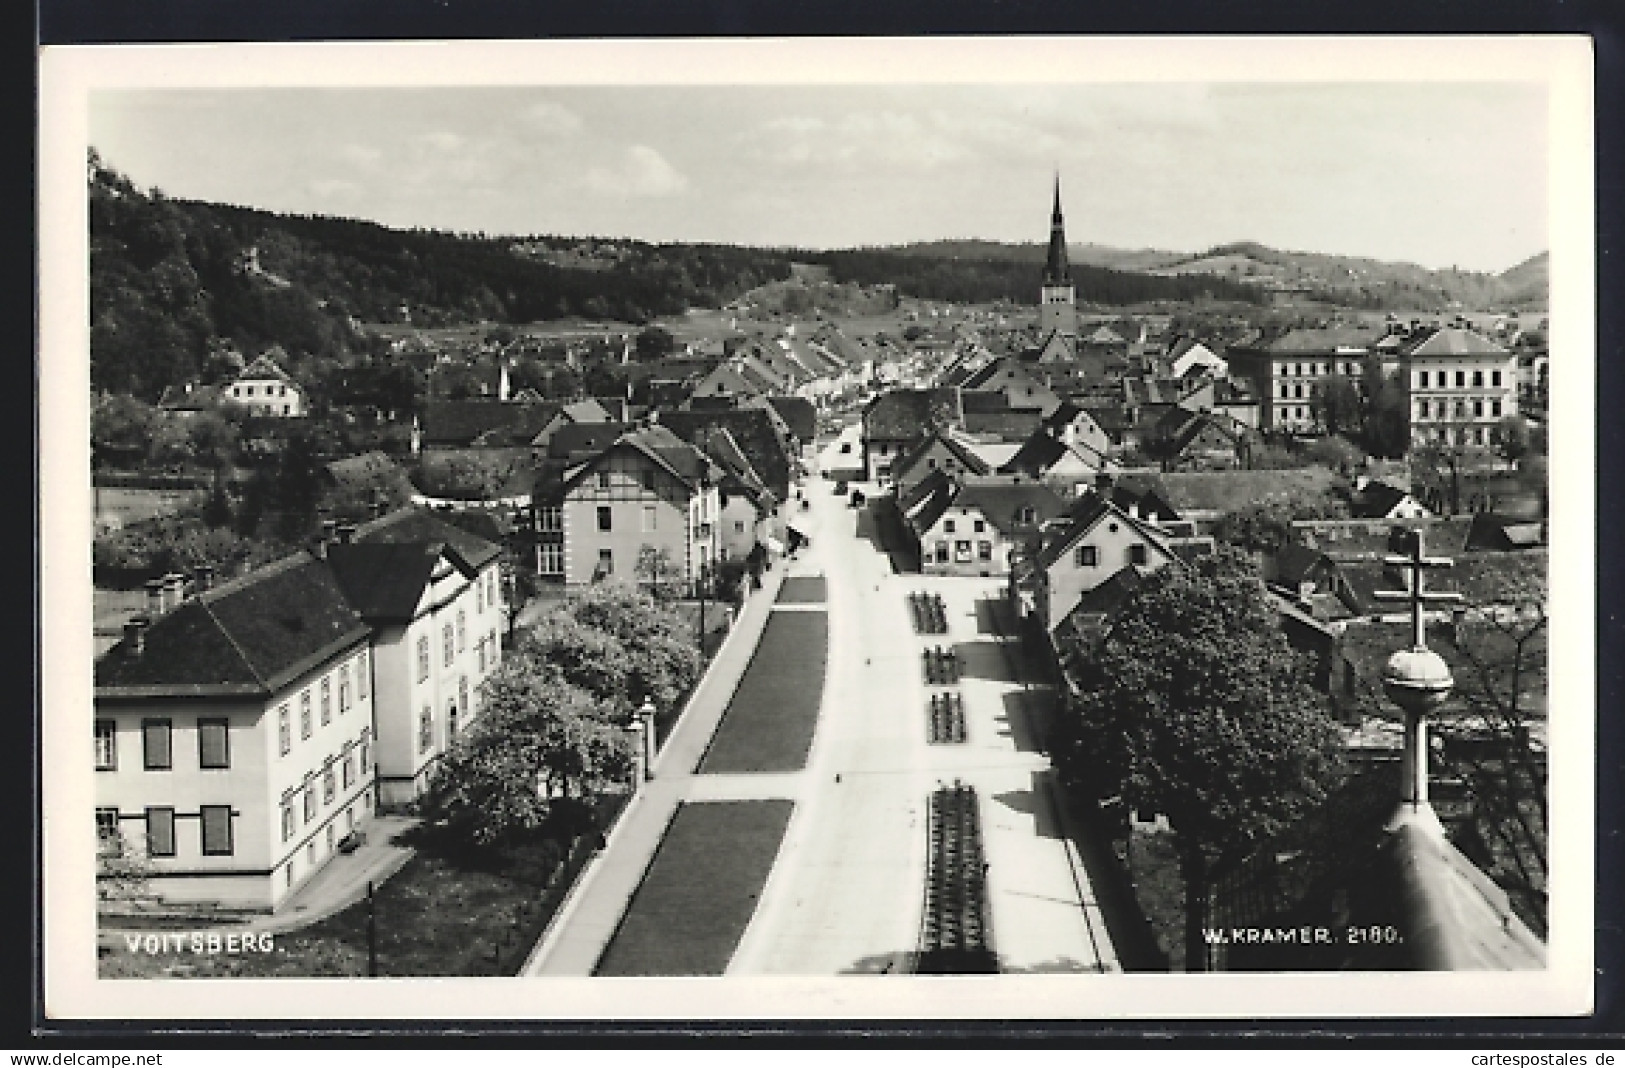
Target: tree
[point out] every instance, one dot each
(538, 755)
(659, 638)
(658, 573)
(120, 429)
(1511, 439)
(1337, 405)
(467, 476)
(1266, 525)
(122, 869)
(655, 343)
(1198, 708)
(1386, 432)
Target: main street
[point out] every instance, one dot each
(845, 893)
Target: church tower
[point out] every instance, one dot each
(1057, 301)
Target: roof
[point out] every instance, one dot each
(264, 367)
(1038, 454)
(1318, 341)
(1450, 341)
(753, 429)
(365, 469)
(1001, 499)
(1109, 596)
(193, 399)
(798, 414)
(1376, 500)
(1294, 563)
(422, 526)
(1495, 532)
(579, 441)
(960, 451)
(933, 503)
(908, 413)
(739, 476)
(384, 581)
(671, 452)
(462, 422)
(1145, 495)
(248, 637)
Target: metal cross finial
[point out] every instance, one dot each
(1417, 595)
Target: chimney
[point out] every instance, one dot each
(346, 533)
(1103, 484)
(174, 591)
(135, 635)
(324, 539)
(204, 577)
(155, 598)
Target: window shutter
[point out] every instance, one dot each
(216, 830)
(212, 745)
(161, 832)
(156, 737)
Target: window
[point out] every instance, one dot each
(462, 697)
(462, 632)
(425, 730)
(948, 526)
(304, 714)
(1478, 378)
(1478, 408)
(1297, 391)
(648, 518)
(155, 745)
(979, 526)
(349, 770)
(1461, 379)
(942, 552)
(1026, 514)
(481, 653)
(552, 559)
(107, 833)
(479, 597)
(344, 690)
(213, 744)
(329, 784)
(448, 647)
(606, 561)
(160, 832)
(551, 518)
(106, 745)
(604, 520)
(647, 478)
(739, 526)
(361, 675)
(366, 751)
(284, 733)
(1086, 556)
(962, 551)
(216, 830)
(1422, 409)
(327, 701)
(984, 551)
(310, 803)
(1495, 378)
(1137, 554)
(451, 720)
(1495, 408)
(250, 391)
(288, 823)
(491, 587)
(603, 480)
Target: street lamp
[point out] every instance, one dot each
(646, 715)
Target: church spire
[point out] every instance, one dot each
(1055, 266)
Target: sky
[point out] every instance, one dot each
(1441, 174)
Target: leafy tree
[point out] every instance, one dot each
(586, 657)
(1386, 432)
(468, 476)
(181, 543)
(122, 870)
(1337, 405)
(659, 638)
(1266, 525)
(1511, 438)
(533, 761)
(657, 571)
(1195, 704)
(213, 440)
(1336, 452)
(120, 429)
(655, 343)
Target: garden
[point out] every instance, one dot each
(773, 714)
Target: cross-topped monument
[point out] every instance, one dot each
(1417, 679)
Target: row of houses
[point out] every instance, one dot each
(246, 731)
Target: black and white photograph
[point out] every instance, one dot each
(983, 528)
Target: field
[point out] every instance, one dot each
(700, 890)
(770, 721)
(128, 506)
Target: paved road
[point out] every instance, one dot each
(845, 893)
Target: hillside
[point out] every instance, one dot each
(1351, 280)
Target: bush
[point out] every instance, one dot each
(181, 543)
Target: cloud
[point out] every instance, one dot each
(640, 171)
(438, 141)
(334, 188)
(365, 157)
(552, 119)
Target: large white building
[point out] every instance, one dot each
(1459, 384)
(243, 731)
(264, 388)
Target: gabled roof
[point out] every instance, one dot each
(265, 367)
(248, 637)
(1376, 500)
(1294, 563)
(956, 448)
(935, 504)
(384, 580)
(1104, 335)
(738, 475)
(195, 399)
(1107, 597)
(1320, 341)
(755, 431)
(1012, 424)
(462, 422)
(421, 526)
(1001, 498)
(683, 460)
(799, 415)
(367, 469)
(908, 413)
(1225, 491)
(579, 441)
(1146, 496)
(1038, 454)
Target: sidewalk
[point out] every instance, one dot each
(587, 920)
(340, 884)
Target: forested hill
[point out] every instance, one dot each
(979, 280)
(174, 282)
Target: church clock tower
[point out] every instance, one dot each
(1057, 300)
